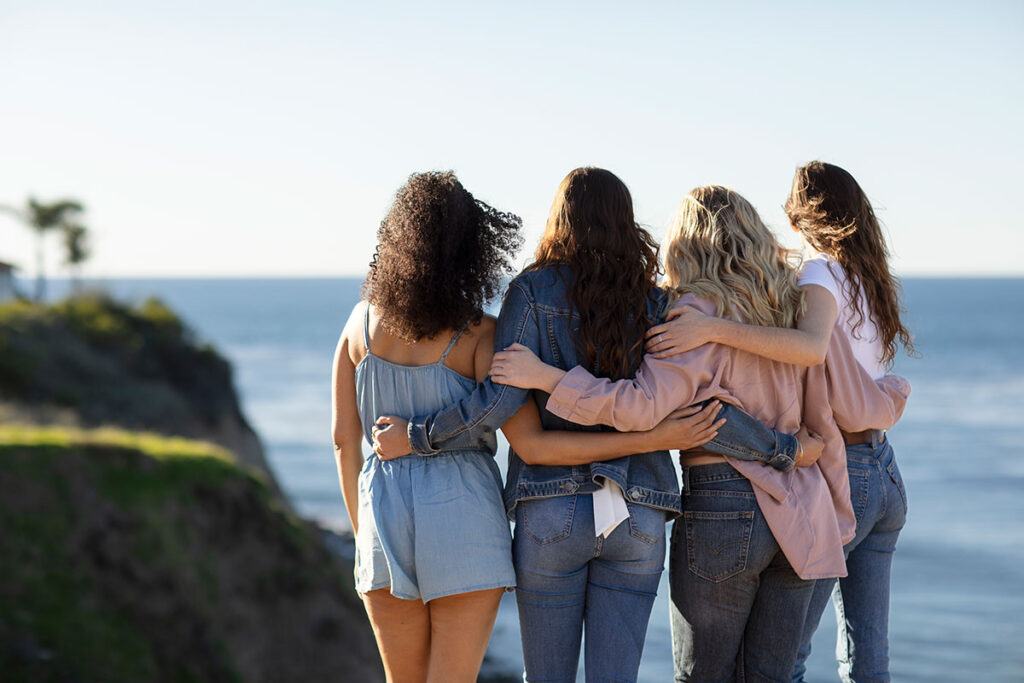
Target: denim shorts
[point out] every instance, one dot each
(432, 526)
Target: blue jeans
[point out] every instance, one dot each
(862, 601)
(737, 608)
(567, 577)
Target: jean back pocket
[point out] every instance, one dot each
(717, 543)
(547, 520)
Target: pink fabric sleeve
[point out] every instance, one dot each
(659, 387)
(859, 402)
(817, 417)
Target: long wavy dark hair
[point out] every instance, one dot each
(441, 255)
(614, 264)
(835, 217)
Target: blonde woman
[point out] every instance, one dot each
(848, 287)
(752, 538)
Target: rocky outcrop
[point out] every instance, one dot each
(91, 361)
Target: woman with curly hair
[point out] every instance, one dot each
(589, 542)
(849, 287)
(433, 544)
(752, 539)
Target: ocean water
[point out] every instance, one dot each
(957, 611)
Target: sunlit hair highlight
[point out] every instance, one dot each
(614, 263)
(718, 248)
(441, 254)
(834, 215)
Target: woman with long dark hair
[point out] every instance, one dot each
(849, 287)
(589, 541)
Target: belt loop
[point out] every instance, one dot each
(876, 438)
(686, 479)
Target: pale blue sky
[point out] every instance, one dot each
(267, 138)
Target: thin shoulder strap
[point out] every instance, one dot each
(448, 350)
(366, 327)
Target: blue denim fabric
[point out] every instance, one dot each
(537, 313)
(862, 601)
(568, 579)
(737, 607)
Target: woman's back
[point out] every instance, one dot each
(396, 378)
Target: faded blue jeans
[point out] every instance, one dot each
(737, 608)
(862, 600)
(567, 579)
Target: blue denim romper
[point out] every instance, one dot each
(429, 526)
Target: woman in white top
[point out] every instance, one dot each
(847, 285)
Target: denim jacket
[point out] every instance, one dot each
(537, 314)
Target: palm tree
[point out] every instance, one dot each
(76, 250)
(42, 217)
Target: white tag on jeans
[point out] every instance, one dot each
(609, 508)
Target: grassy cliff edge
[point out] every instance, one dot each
(130, 557)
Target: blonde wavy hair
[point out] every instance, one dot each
(720, 249)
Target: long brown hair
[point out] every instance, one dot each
(835, 217)
(614, 264)
(719, 248)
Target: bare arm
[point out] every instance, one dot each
(346, 428)
(806, 345)
(683, 429)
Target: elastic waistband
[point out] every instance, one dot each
(427, 457)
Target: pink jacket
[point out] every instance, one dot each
(808, 508)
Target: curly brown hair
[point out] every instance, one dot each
(834, 215)
(614, 263)
(441, 255)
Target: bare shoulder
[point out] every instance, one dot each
(474, 348)
(352, 342)
(483, 348)
(483, 329)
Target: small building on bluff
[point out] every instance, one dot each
(7, 288)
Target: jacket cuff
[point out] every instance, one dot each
(786, 449)
(418, 439)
